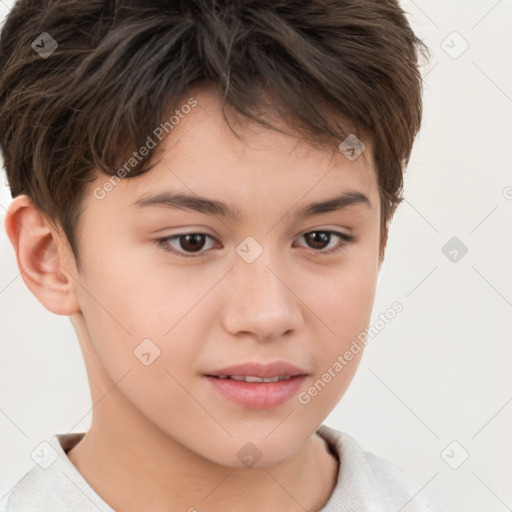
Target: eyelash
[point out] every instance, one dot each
(345, 240)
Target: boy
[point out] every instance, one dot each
(205, 189)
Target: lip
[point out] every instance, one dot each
(258, 395)
(261, 370)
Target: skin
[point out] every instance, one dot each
(167, 440)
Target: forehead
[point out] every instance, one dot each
(206, 124)
(201, 156)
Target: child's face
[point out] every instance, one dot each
(229, 304)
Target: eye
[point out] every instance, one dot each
(192, 242)
(320, 239)
(190, 245)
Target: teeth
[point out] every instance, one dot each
(250, 378)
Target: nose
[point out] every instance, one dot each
(262, 300)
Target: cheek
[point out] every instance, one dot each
(117, 315)
(134, 292)
(127, 321)
(343, 302)
(133, 306)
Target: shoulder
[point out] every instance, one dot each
(54, 484)
(367, 481)
(4, 502)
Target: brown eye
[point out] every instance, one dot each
(320, 239)
(192, 242)
(188, 244)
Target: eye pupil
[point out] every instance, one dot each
(193, 242)
(318, 237)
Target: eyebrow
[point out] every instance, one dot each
(214, 207)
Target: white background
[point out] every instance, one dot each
(441, 370)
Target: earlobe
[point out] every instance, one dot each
(40, 253)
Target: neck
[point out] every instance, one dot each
(133, 465)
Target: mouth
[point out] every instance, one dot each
(252, 378)
(256, 385)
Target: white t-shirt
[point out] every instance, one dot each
(366, 482)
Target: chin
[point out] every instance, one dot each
(246, 451)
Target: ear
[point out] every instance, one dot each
(41, 255)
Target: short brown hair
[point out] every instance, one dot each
(118, 66)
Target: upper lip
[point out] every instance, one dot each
(256, 369)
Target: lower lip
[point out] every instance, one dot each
(258, 395)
